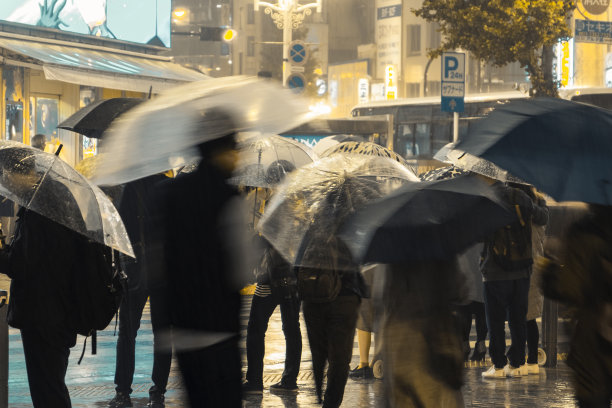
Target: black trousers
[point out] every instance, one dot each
(507, 298)
(465, 313)
(533, 338)
(46, 351)
(130, 313)
(261, 310)
(331, 331)
(212, 376)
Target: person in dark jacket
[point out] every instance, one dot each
(203, 289)
(138, 211)
(42, 260)
(331, 331)
(578, 273)
(276, 286)
(506, 281)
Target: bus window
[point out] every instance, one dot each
(414, 140)
(440, 134)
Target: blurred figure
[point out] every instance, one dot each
(422, 356)
(535, 300)
(506, 267)
(578, 273)
(203, 289)
(365, 327)
(469, 267)
(137, 209)
(331, 330)
(276, 286)
(39, 141)
(42, 261)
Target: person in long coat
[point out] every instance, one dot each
(204, 293)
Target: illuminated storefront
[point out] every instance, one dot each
(75, 54)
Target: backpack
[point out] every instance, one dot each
(98, 286)
(318, 285)
(511, 246)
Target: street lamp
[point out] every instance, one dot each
(288, 15)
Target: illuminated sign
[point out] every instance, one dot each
(390, 82)
(114, 19)
(596, 6)
(388, 32)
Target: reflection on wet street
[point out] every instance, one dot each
(91, 383)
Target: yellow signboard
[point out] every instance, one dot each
(390, 82)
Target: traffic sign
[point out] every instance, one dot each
(298, 52)
(453, 82)
(296, 82)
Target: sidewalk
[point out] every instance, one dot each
(91, 383)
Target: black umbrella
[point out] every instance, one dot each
(563, 148)
(426, 221)
(94, 119)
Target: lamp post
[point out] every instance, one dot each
(288, 15)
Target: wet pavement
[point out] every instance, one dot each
(91, 382)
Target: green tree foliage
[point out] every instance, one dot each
(504, 31)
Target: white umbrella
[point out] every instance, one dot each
(162, 133)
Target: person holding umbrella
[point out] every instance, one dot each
(577, 271)
(41, 260)
(199, 211)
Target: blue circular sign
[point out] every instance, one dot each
(296, 82)
(298, 53)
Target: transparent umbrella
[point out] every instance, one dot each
(366, 149)
(303, 216)
(43, 183)
(264, 160)
(162, 133)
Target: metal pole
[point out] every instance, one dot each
(549, 331)
(287, 38)
(455, 126)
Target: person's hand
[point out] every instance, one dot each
(518, 197)
(49, 14)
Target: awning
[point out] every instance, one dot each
(102, 67)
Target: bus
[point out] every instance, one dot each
(420, 128)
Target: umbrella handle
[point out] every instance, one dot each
(59, 149)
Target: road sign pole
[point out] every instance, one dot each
(287, 36)
(455, 126)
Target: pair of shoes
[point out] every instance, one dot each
(284, 388)
(156, 400)
(363, 373)
(480, 351)
(512, 371)
(121, 400)
(252, 389)
(493, 372)
(533, 369)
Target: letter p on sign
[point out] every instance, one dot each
(453, 67)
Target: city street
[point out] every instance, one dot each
(91, 383)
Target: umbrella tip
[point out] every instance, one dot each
(59, 149)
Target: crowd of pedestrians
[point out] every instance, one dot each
(183, 232)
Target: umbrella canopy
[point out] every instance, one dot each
(265, 159)
(303, 216)
(162, 133)
(94, 119)
(426, 221)
(469, 162)
(366, 149)
(563, 148)
(43, 183)
(443, 173)
(330, 141)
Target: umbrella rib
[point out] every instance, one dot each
(40, 183)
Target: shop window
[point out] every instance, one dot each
(250, 14)
(413, 90)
